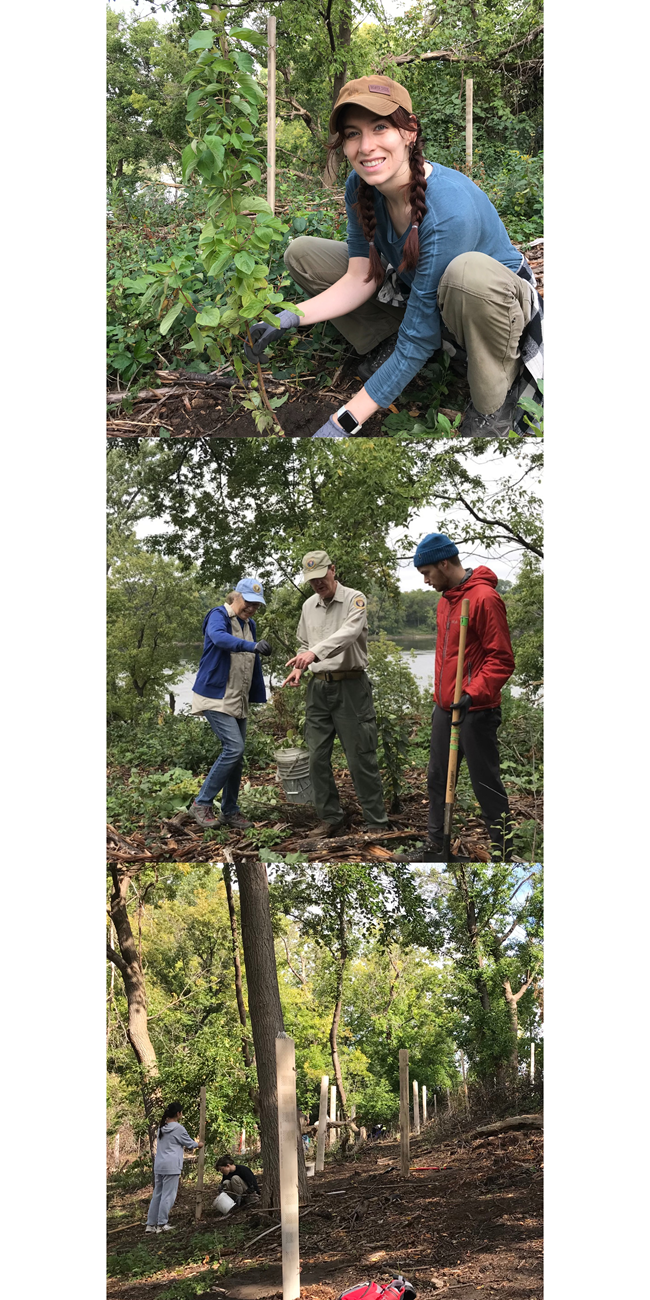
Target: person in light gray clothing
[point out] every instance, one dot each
(172, 1140)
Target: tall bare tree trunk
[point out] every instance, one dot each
(512, 1000)
(249, 1058)
(340, 41)
(128, 963)
(266, 1021)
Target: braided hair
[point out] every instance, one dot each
(174, 1109)
(416, 185)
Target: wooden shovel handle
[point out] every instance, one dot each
(453, 743)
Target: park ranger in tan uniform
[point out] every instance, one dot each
(333, 640)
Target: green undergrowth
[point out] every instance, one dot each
(176, 1251)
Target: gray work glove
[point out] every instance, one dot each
(263, 648)
(263, 334)
(330, 430)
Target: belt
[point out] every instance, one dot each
(351, 675)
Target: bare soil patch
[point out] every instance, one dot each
(471, 1226)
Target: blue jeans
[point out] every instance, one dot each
(226, 773)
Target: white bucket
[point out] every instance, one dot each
(293, 773)
(224, 1203)
(311, 1169)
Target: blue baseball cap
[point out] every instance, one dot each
(252, 590)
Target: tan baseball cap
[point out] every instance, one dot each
(379, 94)
(315, 565)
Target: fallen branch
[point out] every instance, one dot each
(509, 1125)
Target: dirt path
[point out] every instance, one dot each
(470, 1228)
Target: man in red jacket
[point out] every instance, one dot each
(489, 662)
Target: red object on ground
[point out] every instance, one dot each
(489, 660)
(374, 1291)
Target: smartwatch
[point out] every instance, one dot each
(348, 421)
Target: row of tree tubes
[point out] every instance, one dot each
(439, 961)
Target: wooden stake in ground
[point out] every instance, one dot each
(532, 1063)
(322, 1124)
(200, 1166)
(435, 1106)
(416, 1108)
(332, 1131)
(285, 1057)
(464, 1073)
(424, 1104)
(270, 120)
(469, 122)
(404, 1137)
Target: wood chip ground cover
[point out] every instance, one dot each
(179, 839)
(472, 1228)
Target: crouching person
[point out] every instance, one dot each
(229, 679)
(238, 1181)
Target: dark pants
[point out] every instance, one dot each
(344, 709)
(478, 746)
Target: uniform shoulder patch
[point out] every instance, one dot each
(360, 603)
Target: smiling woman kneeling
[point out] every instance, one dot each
(428, 264)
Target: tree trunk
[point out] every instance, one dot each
(266, 1021)
(129, 965)
(239, 992)
(342, 42)
(512, 1000)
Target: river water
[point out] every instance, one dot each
(417, 652)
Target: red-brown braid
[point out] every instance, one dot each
(418, 197)
(366, 208)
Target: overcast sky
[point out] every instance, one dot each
(504, 560)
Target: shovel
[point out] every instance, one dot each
(452, 767)
(446, 854)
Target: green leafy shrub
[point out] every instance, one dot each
(152, 795)
(135, 1262)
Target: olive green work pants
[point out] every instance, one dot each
(484, 305)
(344, 709)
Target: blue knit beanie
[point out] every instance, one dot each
(433, 548)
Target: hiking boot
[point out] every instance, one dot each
(236, 820)
(498, 425)
(375, 358)
(203, 813)
(429, 852)
(365, 829)
(327, 830)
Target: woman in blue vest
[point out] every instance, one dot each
(229, 679)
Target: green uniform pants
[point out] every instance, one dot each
(484, 305)
(344, 709)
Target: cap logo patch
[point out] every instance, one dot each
(360, 602)
(256, 586)
(310, 564)
(379, 90)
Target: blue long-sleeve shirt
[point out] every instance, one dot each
(459, 219)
